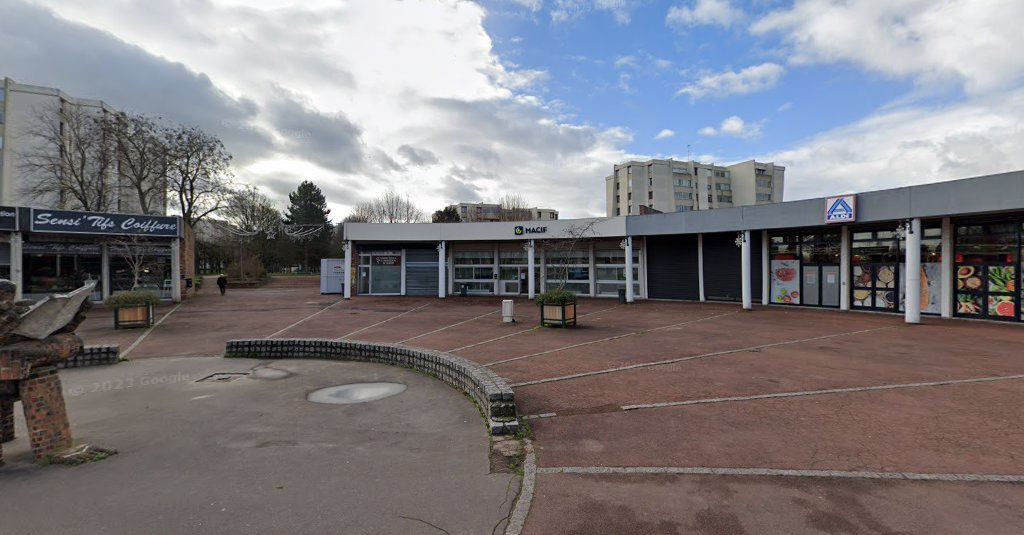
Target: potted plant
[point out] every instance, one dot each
(557, 307)
(133, 308)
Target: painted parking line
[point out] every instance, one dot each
(695, 357)
(821, 392)
(524, 331)
(311, 316)
(357, 331)
(143, 336)
(450, 326)
(608, 339)
(778, 472)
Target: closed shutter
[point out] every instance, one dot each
(722, 267)
(672, 267)
(420, 272)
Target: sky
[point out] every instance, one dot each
(458, 101)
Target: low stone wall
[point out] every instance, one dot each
(93, 356)
(492, 392)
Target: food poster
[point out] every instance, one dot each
(1002, 280)
(862, 276)
(874, 281)
(969, 298)
(786, 282)
(987, 291)
(931, 287)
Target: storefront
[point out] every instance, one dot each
(56, 251)
(804, 268)
(988, 266)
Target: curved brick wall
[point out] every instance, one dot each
(493, 394)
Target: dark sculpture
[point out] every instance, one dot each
(34, 338)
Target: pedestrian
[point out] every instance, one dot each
(222, 283)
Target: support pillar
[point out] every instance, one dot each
(629, 269)
(105, 269)
(700, 267)
(745, 270)
(176, 273)
(530, 269)
(913, 290)
(45, 413)
(765, 267)
(947, 268)
(17, 265)
(348, 270)
(442, 283)
(844, 268)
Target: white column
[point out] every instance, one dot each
(844, 268)
(745, 271)
(913, 290)
(441, 283)
(17, 264)
(176, 270)
(765, 267)
(591, 271)
(629, 269)
(947, 268)
(348, 270)
(531, 268)
(700, 267)
(105, 270)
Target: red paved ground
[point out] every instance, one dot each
(966, 428)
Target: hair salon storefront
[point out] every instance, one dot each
(55, 251)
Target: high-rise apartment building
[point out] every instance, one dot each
(479, 211)
(652, 186)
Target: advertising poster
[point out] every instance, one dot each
(785, 282)
(931, 286)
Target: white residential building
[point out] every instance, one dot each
(652, 186)
(492, 212)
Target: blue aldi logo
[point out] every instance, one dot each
(842, 209)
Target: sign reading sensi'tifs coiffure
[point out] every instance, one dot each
(841, 209)
(98, 223)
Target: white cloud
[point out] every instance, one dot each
(625, 61)
(704, 12)
(750, 80)
(913, 145)
(431, 82)
(734, 126)
(786, 106)
(976, 43)
(665, 134)
(532, 5)
(567, 10)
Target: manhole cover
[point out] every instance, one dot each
(222, 377)
(355, 393)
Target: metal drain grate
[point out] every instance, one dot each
(222, 377)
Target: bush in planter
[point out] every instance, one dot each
(557, 307)
(133, 298)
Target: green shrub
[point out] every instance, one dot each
(132, 299)
(556, 297)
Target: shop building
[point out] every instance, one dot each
(55, 251)
(949, 248)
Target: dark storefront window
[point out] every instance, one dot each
(875, 257)
(805, 269)
(988, 270)
(47, 271)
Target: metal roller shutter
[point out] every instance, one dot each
(420, 272)
(672, 267)
(722, 267)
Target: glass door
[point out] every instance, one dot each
(875, 259)
(987, 271)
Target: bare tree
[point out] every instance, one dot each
(198, 172)
(134, 251)
(70, 158)
(389, 208)
(560, 251)
(252, 212)
(142, 153)
(513, 207)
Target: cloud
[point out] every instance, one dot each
(704, 12)
(974, 43)
(417, 156)
(328, 139)
(625, 61)
(733, 126)
(786, 106)
(532, 5)
(568, 10)
(664, 134)
(749, 80)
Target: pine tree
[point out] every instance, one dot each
(309, 207)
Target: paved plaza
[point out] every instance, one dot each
(655, 417)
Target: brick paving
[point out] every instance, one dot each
(972, 428)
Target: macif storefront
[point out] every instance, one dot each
(56, 251)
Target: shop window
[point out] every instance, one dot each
(875, 257)
(987, 265)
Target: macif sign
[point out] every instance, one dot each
(842, 209)
(521, 230)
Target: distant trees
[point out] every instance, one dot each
(389, 208)
(198, 172)
(446, 215)
(142, 151)
(308, 210)
(513, 207)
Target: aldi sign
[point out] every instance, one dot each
(842, 209)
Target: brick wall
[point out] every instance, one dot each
(45, 413)
(491, 391)
(6, 421)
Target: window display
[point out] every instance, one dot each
(987, 262)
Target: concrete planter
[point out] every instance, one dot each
(133, 316)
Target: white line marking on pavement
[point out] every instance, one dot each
(693, 357)
(149, 330)
(450, 326)
(202, 397)
(536, 416)
(531, 329)
(778, 472)
(322, 310)
(610, 338)
(821, 392)
(342, 337)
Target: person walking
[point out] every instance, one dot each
(222, 283)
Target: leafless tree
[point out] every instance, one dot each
(199, 172)
(389, 208)
(71, 158)
(561, 250)
(513, 207)
(142, 153)
(252, 212)
(134, 251)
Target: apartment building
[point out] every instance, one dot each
(653, 186)
(492, 212)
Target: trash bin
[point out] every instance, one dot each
(622, 296)
(462, 290)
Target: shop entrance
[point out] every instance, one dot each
(820, 285)
(380, 273)
(513, 280)
(805, 269)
